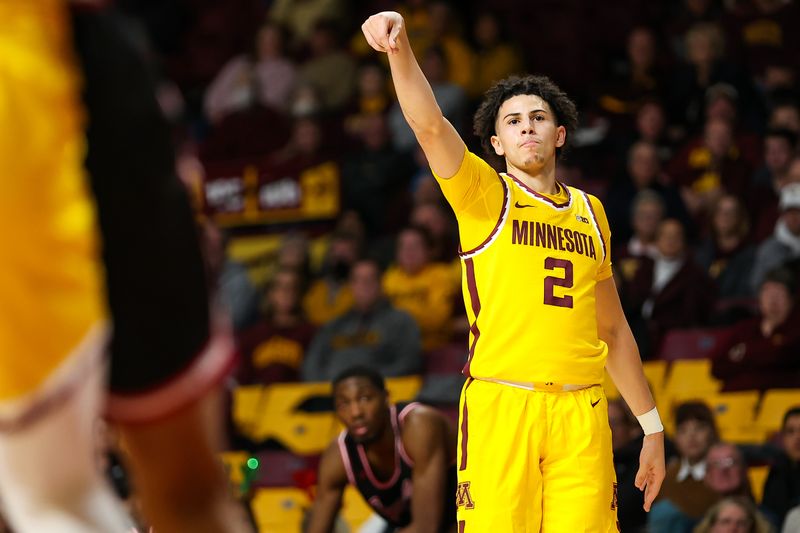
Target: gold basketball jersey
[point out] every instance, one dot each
(51, 290)
(530, 266)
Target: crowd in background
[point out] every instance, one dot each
(689, 135)
(690, 118)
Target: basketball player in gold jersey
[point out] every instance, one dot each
(59, 294)
(534, 448)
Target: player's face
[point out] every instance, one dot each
(791, 437)
(362, 408)
(526, 133)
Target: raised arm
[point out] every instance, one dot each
(332, 481)
(625, 367)
(425, 437)
(386, 32)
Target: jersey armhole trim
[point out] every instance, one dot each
(400, 447)
(348, 468)
(501, 220)
(596, 224)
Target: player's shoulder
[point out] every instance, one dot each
(577, 191)
(418, 417)
(331, 464)
(476, 163)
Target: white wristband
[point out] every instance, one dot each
(650, 422)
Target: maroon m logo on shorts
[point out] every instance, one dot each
(463, 497)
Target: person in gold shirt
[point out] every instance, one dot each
(534, 450)
(420, 287)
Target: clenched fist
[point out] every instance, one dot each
(382, 31)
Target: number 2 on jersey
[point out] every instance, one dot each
(552, 263)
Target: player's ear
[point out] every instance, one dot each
(498, 148)
(561, 136)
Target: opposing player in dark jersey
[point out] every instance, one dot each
(400, 458)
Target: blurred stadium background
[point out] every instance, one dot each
(299, 162)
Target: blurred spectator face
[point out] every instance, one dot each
(342, 254)
(646, 218)
(305, 101)
(791, 217)
(785, 116)
(779, 77)
(293, 254)
(432, 217)
(439, 16)
(643, 164)
(641, 48)
(725, 470)
(284, 293)
(777, 154)
(693, 438)
(412, 251)
(718, 138)
(768, 6)
(434, 66)
(650, 121)
(362, 408)
(344, 249)
(371, 80)
(703, 44)
(774, 301)
(350, 222)
(307, 136)
(731, 518)
(487, 30)
(721, 108)
(374, 133)
(269, 42)
(790, 437)
(698, 7)
(365, 283)
(727, 216)
(322, 40)
(427, 190)
(793, 172)
(622, 430)
(670, 240)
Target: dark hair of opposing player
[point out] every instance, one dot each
(566, 114)
(360, 371)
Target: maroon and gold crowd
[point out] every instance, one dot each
(329, 243)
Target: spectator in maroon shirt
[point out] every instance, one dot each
(670, 291)
(272, 350)
(709, 167)
(777, 171)
(764, 34)
(727, 255)
(763, 352)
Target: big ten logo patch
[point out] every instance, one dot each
(614, 498)
(463, 497)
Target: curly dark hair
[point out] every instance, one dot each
(566, 114)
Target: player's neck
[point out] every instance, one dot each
(541, 179)
(383, 445)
